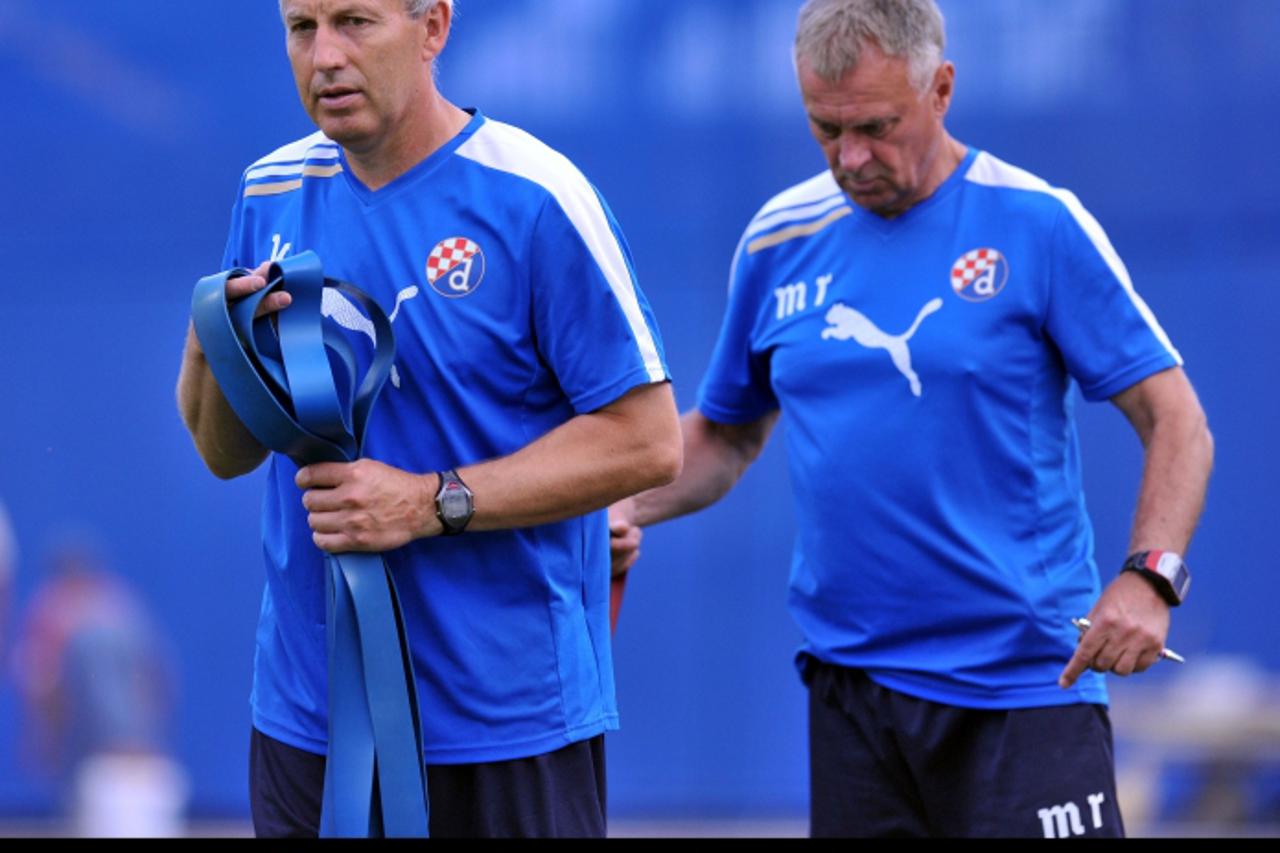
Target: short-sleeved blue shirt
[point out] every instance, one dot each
(515, 308)
(924, 368)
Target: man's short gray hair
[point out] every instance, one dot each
(415, 8)
(831, 33)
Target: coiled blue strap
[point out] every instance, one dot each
(294, 382)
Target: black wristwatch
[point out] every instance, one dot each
(454, 503)
(1165, 571)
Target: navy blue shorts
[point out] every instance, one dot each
(557, 795)
(884, 764)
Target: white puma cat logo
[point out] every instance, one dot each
(846, 323)
(341, 310)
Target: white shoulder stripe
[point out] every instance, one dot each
(315, 147)
(992, 172)
(509, 149)
(795, 214)
(320, 155)
(815, 190)
(808, 199)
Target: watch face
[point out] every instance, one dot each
(1175, 571)
(454, 504)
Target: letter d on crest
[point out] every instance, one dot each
(460, 276)
(984, 286)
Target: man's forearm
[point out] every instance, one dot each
(1179, 457)
(222, 441)
(1166, 414)
(585, 464)
(715, 458)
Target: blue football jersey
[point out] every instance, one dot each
(924, 367)
(515, 308)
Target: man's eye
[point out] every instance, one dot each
(302, 26)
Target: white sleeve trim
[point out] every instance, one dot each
(509, 149)
(992, 172)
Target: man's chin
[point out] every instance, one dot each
(872, 201)
(343, 130)
(879, 201)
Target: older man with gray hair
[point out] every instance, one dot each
(921, 313)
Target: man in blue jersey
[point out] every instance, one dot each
(529, 392)
(920, 313)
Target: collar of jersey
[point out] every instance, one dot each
(414, 175)
(889, 227)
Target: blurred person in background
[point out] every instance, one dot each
(530, 393)
(921, 313)
(97, 684)
(8, 567)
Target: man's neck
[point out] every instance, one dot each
(414, 141)
(951, 154)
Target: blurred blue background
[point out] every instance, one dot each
(129, 122)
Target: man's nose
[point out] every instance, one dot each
(853, 152)
(327, 50)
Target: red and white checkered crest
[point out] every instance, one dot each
(979, 275)
(447, 255)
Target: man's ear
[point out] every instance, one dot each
(944, 87)
(436, 23)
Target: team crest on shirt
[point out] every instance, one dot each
(455, 267)
(979, 275)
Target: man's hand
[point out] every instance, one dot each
(624, 550)
(1127, 634)
(624, 537)
(366, 505)
(246, 285)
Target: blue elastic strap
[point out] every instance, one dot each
(293, 382)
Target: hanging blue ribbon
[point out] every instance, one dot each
(292, 381)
